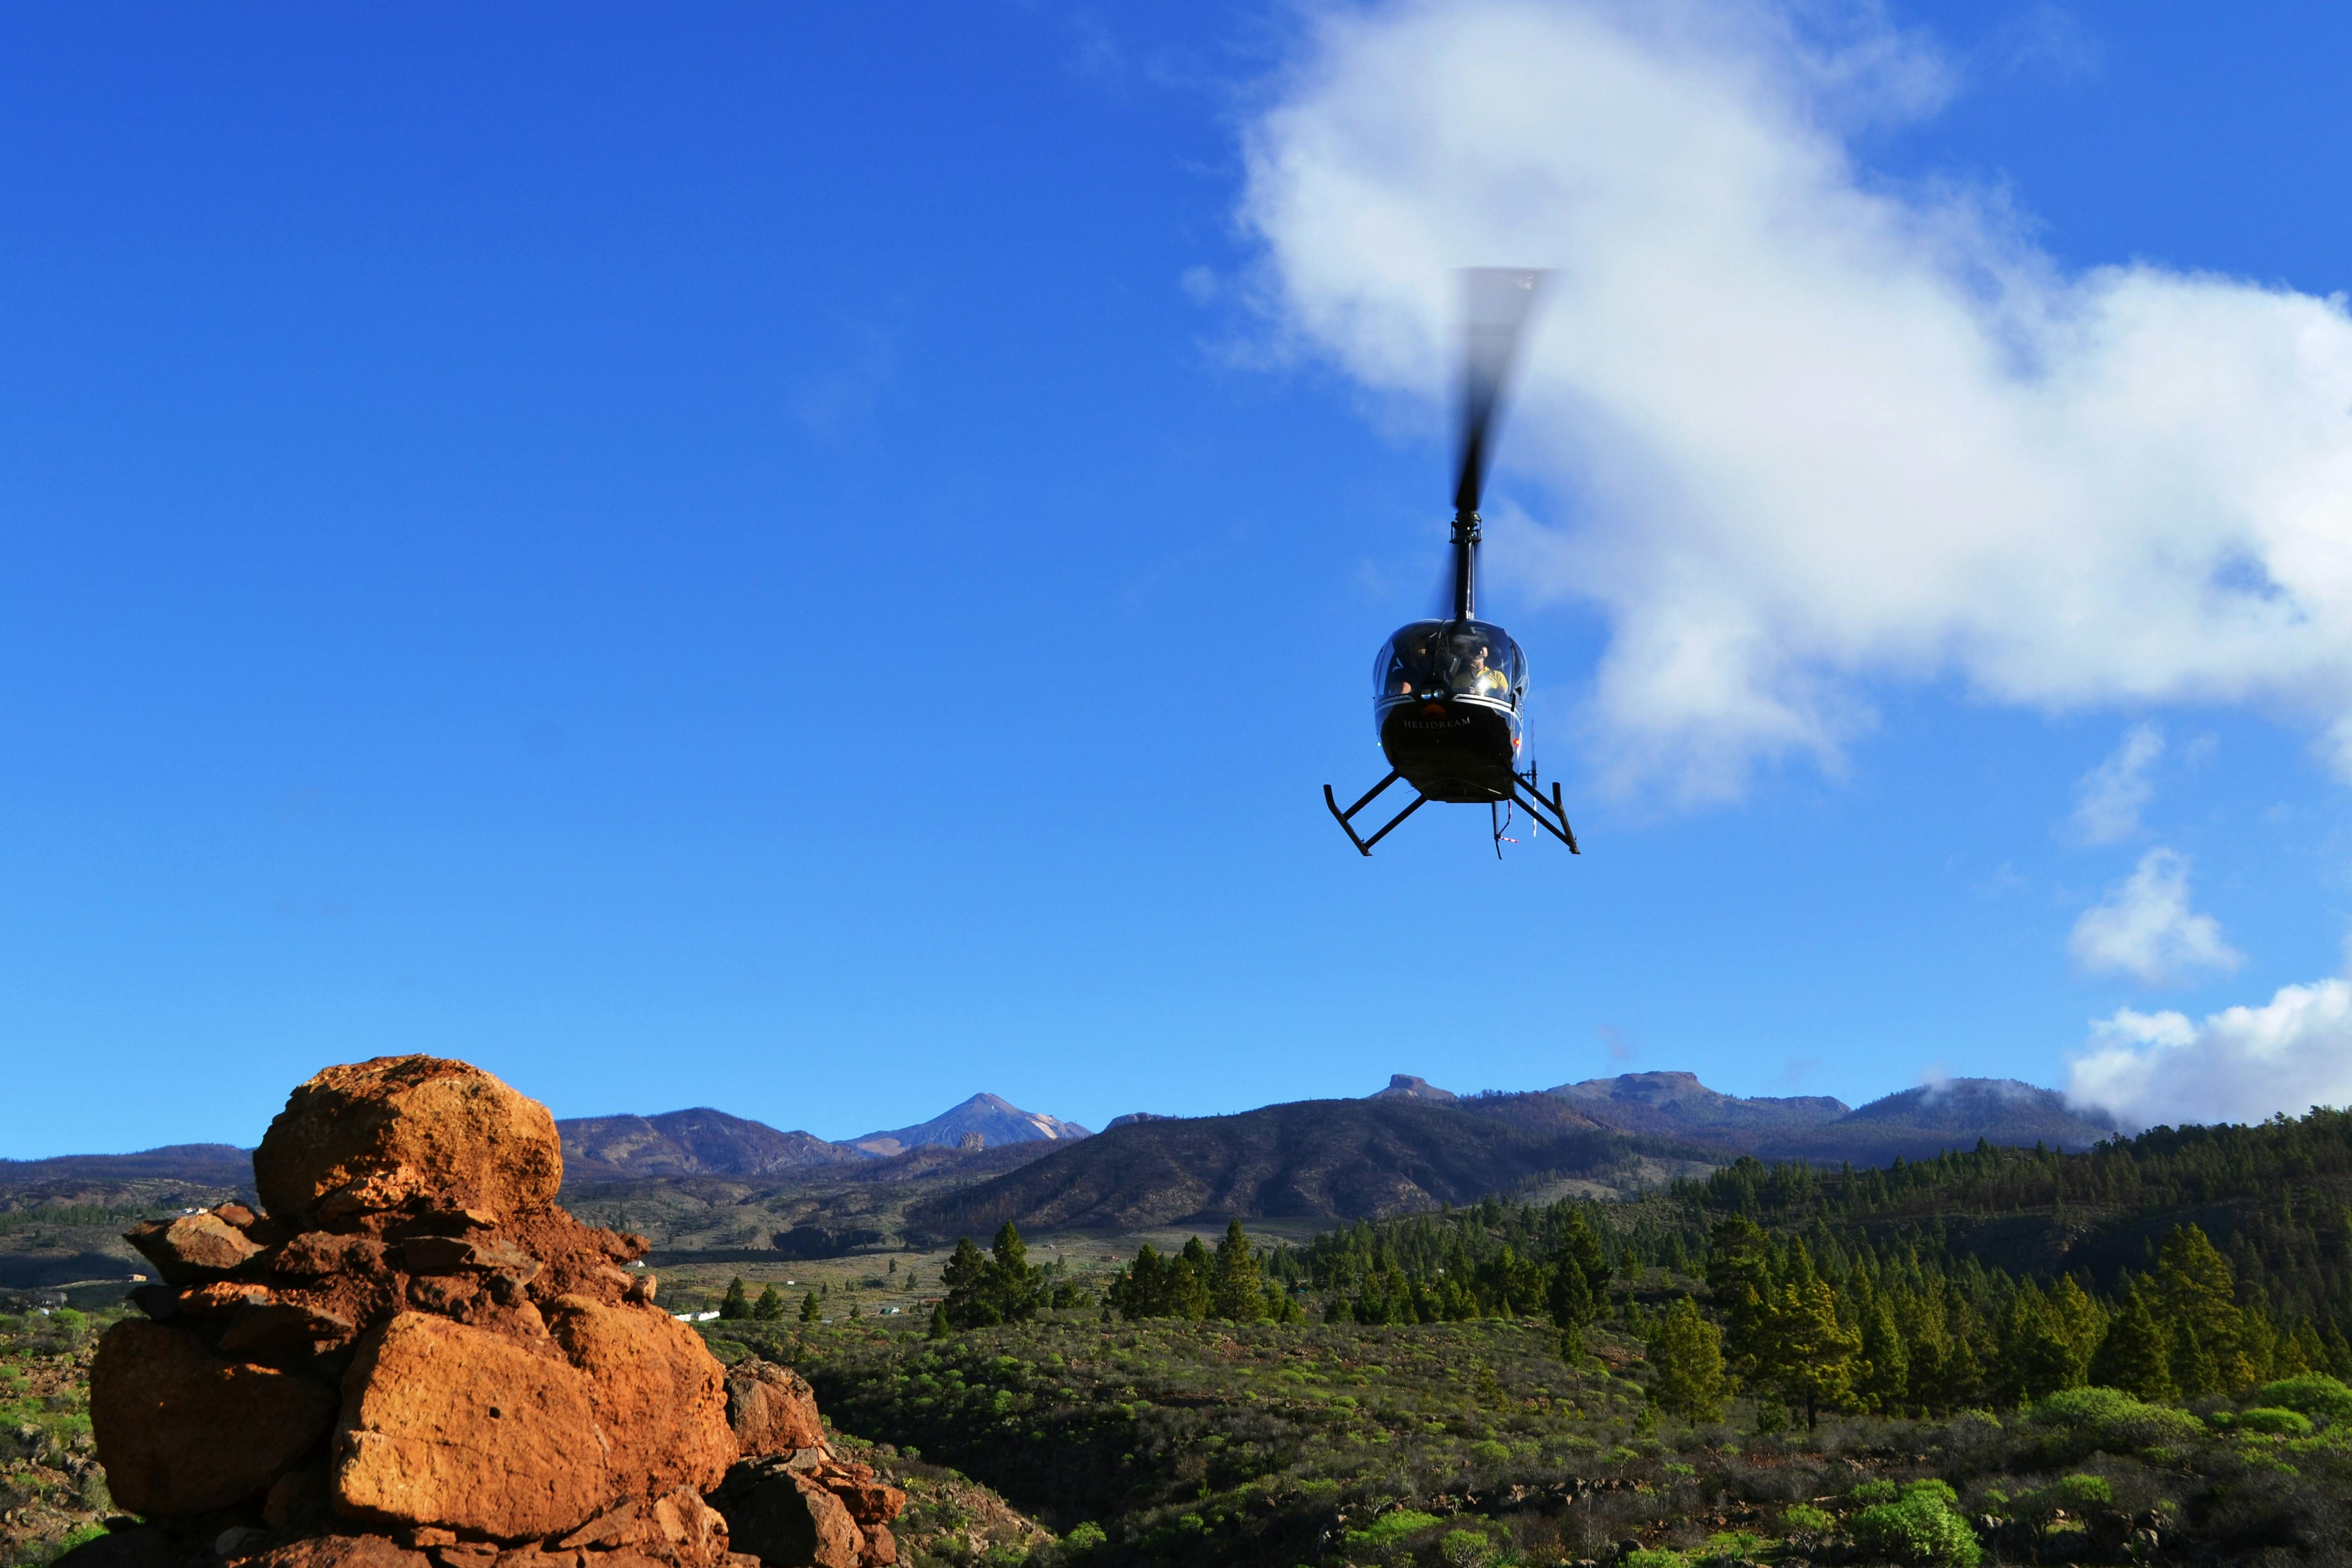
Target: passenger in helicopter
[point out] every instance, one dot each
(1411, 665)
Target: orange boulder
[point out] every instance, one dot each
(454, 1425)
(771, 1408)
(376, 1134)
(656, 1388)
(181, 1429)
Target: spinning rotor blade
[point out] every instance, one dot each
(1496, 301)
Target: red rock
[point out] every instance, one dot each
(299, 1501)
(881, 1546)
(656, 1392)
(341, 1552)
(771, 1409)
(182, 1430)
(378, 1134)
(444, 1423)
(694, 1532)
(871, 1502)
(318, 1252)
(783, 1517)
(193, 1248)
(264, 1330)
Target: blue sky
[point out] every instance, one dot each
(816, 561)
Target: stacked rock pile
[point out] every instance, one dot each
(416, 1358)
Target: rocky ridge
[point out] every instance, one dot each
(415, 1359)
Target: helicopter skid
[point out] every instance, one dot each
(1549, 814)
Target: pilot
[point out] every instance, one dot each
(1472, 678)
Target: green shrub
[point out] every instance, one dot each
(1084, 1537)
(1389, 1527)
(1871, 1492)
(1918, 1527)
(1490, 1452)
(1464, 1549)
(1804, 1518)
(2082, 1419)
(2315, 1395)
(2274, 1422)
(1653, 1557)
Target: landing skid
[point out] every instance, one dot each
(1549, 814)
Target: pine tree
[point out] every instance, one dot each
(965, 1275)
(1013, 1286)
(938, 1330)
(1884, 1378)
(735, 1303)
(1187, 1283)
(2135, 1356)
(770, 1307)
(1806, 1354)
(2196, 1293)
(809, 1307)
(1686, 1350)
(2036, 1357)
(1236, 1280)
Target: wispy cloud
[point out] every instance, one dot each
(2244, 1063)
(1807, 431)
(2109, 798)
(2144, 928)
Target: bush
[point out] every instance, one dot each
(1804, 1518)
(1653, 1557)
(2082, 1419)
(1464, 1549)
(1871, 1492)
(2274, 1422)
(1920, 1526)
(1389, 1527)
(2315, 1395)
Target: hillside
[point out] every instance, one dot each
(1915, 1124)
(698, 1142)
(991, 1118)
(1317, 1158)
(61, 1219)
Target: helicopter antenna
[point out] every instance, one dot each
(1496, 302)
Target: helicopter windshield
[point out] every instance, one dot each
(1446, 659)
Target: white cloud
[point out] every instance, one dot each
(2144, 927)
(2107, 801)
(2149, 1070)
(1807, 431)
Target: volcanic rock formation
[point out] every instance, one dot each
(416, 1360)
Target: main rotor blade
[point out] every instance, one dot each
(1496, 301)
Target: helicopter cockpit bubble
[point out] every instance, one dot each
(1451, 658)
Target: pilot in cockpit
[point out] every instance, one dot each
(1471, 676)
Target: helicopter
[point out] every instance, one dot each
(1448, 693)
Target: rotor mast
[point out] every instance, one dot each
(1466, 564)
(1495, 305)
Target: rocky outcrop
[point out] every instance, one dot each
(416, 1360)
(771, 1408)
(791, 1498)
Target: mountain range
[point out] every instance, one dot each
(707, 1179)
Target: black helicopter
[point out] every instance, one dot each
(1447, 695)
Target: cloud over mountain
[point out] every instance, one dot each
(1804, 430)
(2149, 1070)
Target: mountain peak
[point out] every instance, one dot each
(990, 1118)
(1405, 1086)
